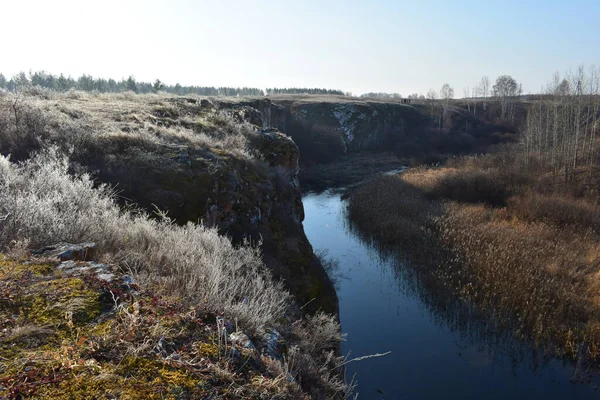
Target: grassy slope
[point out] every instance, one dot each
(67, 337)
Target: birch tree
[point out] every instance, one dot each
(446, 93)
(484, 90)
(561, 128)
(506, 89)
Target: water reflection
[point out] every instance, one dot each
(441, 347)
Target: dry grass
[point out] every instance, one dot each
(41, 203)
(529, 257)
(80, 121)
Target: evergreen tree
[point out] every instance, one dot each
(62, 83)
(157, 86)
(130, 84)
(112, 85)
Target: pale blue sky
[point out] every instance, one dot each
(358, 46)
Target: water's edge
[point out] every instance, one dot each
(438, 350)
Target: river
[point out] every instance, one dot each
(439, 349)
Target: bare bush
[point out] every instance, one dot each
(43, 204)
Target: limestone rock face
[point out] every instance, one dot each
(326, 130)
(247, 199)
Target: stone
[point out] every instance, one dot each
(102, 271)
(67, 251)
(242, 340)
(273, 344)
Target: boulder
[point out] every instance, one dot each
(273, 344)
(67, 251)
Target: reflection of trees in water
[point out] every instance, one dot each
(498, 337)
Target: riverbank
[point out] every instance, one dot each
(349, 170)
(498, 234)
(439, 345)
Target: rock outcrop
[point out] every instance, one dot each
(255, 199)
(327, 128)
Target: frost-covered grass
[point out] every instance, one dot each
(79, 121)
(42, 203)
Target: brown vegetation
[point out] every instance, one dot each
(493, 231)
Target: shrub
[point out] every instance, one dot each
(473, 187)
(558, 209)
(41, 203)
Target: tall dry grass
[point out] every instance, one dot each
(527, 255)
(42, 203)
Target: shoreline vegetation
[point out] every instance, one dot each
(502, 234)
(514, 232)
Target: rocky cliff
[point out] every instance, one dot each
(327, 128)
(253, 199)
(193, 160)
(344, 140)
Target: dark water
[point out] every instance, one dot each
(439, 349)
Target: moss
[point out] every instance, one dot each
(134, 378)
(210, 350)
(63, 301)
(14, 269)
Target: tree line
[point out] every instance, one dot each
(304, 91)
(561, 126)
(382, 95)
(562, 123)
(88, 83)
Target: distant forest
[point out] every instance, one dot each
(381, 95)
(89, 84)
(305, 91)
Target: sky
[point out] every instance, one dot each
(355, 46)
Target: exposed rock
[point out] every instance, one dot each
(242, 340)
(245, 199)
(273, 344)
(71, 268)
(66, 251)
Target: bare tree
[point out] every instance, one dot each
(506, 89)
(484, 90)
(446, 93)
(431, 98)
(561, 127)
(466, 97)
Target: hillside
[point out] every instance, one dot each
(171, 163)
